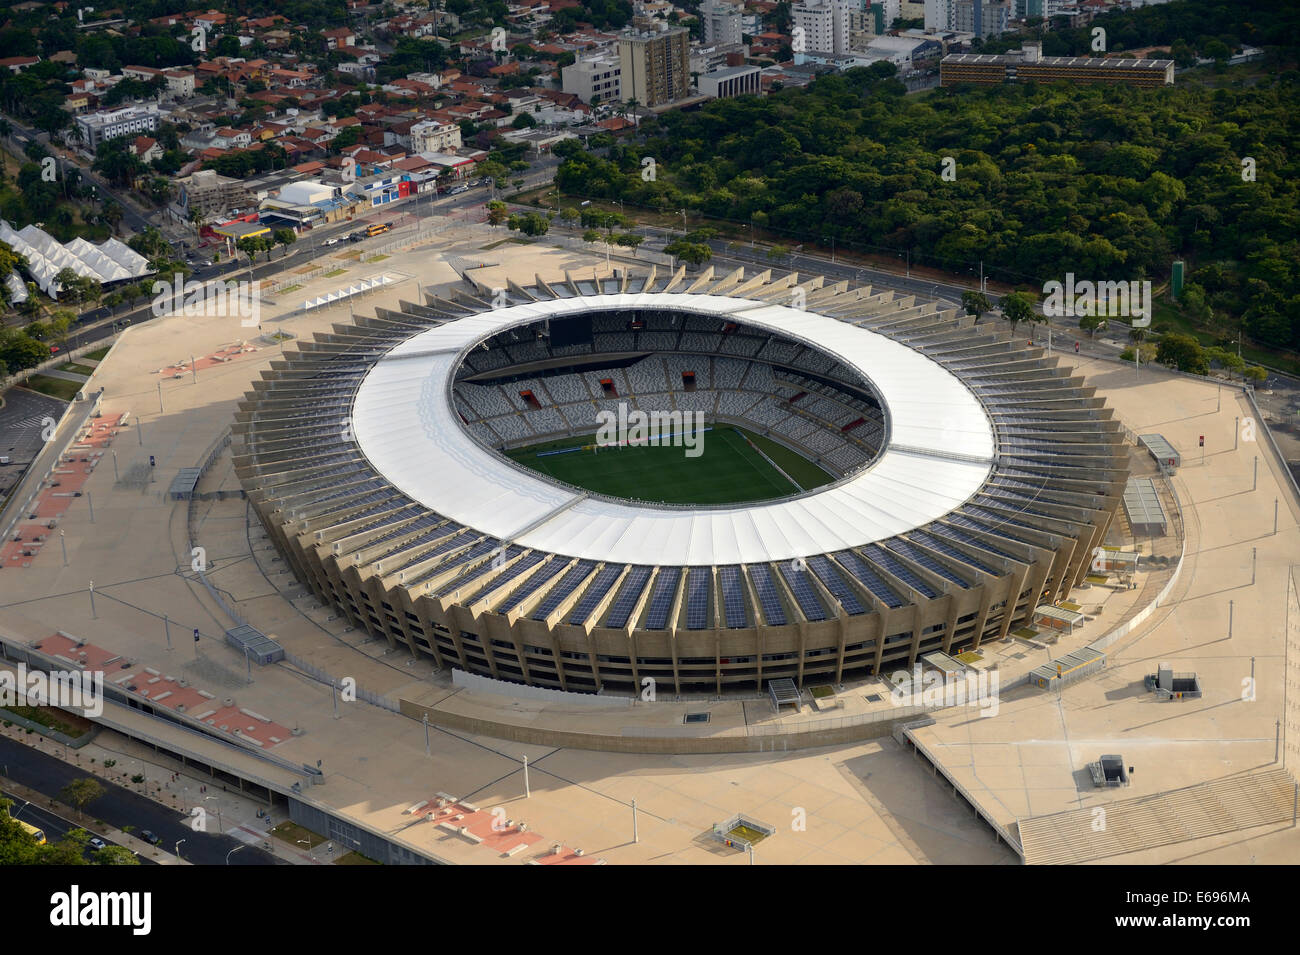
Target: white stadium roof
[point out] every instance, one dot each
(939, 452)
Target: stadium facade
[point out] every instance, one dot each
(972, 480)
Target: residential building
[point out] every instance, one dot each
(655, 65)
(984, 18)
(599, 76)
(16, 64)
(821, 26)
(210, 193)
(432, 136)
(939, 15)
(721, 19)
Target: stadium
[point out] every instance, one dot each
(879, 478)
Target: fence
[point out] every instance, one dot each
(191, 524)
(53, 362)
(320, 676)
(210, 457)
(839, 722)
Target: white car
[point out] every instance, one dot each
(334, 241)
(96, 843)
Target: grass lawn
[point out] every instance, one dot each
(55, 387)
(66, 723)
(354, 858)
(290, 288)
(728, 471)
(822, 692)
(98, 354)
(76, 369)
(378, 257)
(291, 832)
(333, 272)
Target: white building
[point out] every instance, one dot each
(599, 76)
(939, 15)
(821, 26)
(984, 18)
(95, 128)
(721, 20)
(305, 192)
(432, 136)
(733, 81)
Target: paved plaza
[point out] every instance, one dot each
(868, 801)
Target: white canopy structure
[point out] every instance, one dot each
(17, 288)
(356, 288)
(110, 261)
(940, 449)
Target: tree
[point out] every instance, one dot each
(498, 212)
(116, 855)
(284, 237)
(592, 235)
(76, 288)
(250, 245)
(975, 303)
(1017, 307)
(692, 253)
(1183, 352)
(81, 792)
(530, 223)
(112, 213)
(1255, 373)
(629, 240)
(1090, 324)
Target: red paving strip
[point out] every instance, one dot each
(481, 824)
(59, 491)
(164, 690)
(220, 357)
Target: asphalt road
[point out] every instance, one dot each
(55, 826)
(120, 807)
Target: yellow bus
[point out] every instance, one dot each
(32, 831)
(378, 228)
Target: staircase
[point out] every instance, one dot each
(1206, 809)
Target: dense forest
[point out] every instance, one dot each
(1106, 183)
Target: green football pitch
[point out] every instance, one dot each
(728, 471)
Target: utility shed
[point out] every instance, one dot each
(1162, 451)
(1142, 507)
(1068, 668)
(1057, 618)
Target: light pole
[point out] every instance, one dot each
(178, 847)
(232, 852)
(218, 808)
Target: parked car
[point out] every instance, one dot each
(335, 240)
(455, 190)
(96, 843)
(151, 838)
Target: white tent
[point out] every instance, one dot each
(111, 261)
